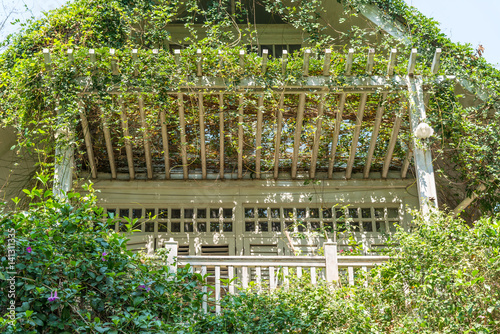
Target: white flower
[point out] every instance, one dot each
(423, 130)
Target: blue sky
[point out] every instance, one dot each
(475, 22)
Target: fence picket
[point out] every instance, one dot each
(217, 289)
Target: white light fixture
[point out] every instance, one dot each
(423, 131)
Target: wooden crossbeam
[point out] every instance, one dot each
(164, 137)
(265, 52)
(203, 154)
(348, 62)
(317, 137)
(182, 125)
(412, 62)
(242, 60)
(406, 163)
(392, 62)
(305, 68)
(109, 147)
(88, 140)
(240, 137)
(298, 133)
(370, 62)
(373, 140)
(221, 136)
(436, 62)
(199, 59)
(284, 62)
(355, 136)
(277, 143)
(391, 146)
(258, 135)
(147, 144)
(128, 144)
(326, 65)
(114, 64)
(336, 133)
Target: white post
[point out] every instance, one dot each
(426, 185)
(171, 247)
(332, 264)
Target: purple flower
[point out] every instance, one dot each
(103, 255)
(53, 296)
(144, 287)
(28, 249)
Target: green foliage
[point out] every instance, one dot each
(101, 287)
(443, 278)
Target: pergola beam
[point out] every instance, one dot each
(355, 136)
(221, 136)
(147, 145)
(182, 130)
(298, 133)
(426, 184)
(240, 137)
(109, 147)
(374, 136)
(258, 135)
(203, 154)
(336, 133)
(391, 146)
(164, 137)
(317, 137)
(88, 140)
(406, 163)
(277, 144)
(128, 144)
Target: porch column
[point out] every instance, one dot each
(426, 185)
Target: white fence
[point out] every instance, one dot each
(269, 272)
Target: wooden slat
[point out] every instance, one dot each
(326, 65)
(435, 61)
(412, 62)
(272, 284)
(317, 137)
(373, 140)
(305, 67)
(128, 144)
(244, 277)
(88, 140)
(199, 58)
(299, 272)
(230, 274)
(284, 62)
(348, 62)
(217, 290)
(406, 163)
(240, 137)
(221, 136)
(277, 142)
(182, 125)
(298, 132)
(164, 137)
(147, 145)
(265, 52)
(204, 289)
(350, 271)
(355, 136)
(370, 62)
(203, 154)
(313, 276)
(392, 62)
(286, 280)
(336, 134)
(258, 135)
(109, 147)
(391, 146)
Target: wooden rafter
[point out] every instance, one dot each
(373, 140)
(182, 125)
(221, 136)
(147, 145)
(203, 154)
(298, 133)
(391, 146)
(128, 144)
(88, 140)
(317, 137)
(258, 135)
(336, 134)
(277, 141)
(240, 137)
(355, 136)
(406, 163)
(164, 137)
(109, 147)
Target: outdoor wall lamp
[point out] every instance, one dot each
(423, 131)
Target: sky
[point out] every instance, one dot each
(465, 21)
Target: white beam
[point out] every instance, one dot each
(435, 61)
(182, 125)
(317, 137)
(240, 137)
(412, 62)
(277, 143)
(391, 146)
(355, 136)
(203, 154)
(164, 137)
(373, 140)
(298, 133)
(258, 135)
(145, 135)
(336, 134)
(126, 136)
(221, 136)
(406, 163)
(426, 184)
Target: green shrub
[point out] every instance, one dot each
(64, 250)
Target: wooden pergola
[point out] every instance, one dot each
(312, 90)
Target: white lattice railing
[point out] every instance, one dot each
(228, 273)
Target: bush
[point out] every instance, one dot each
(71, 274)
